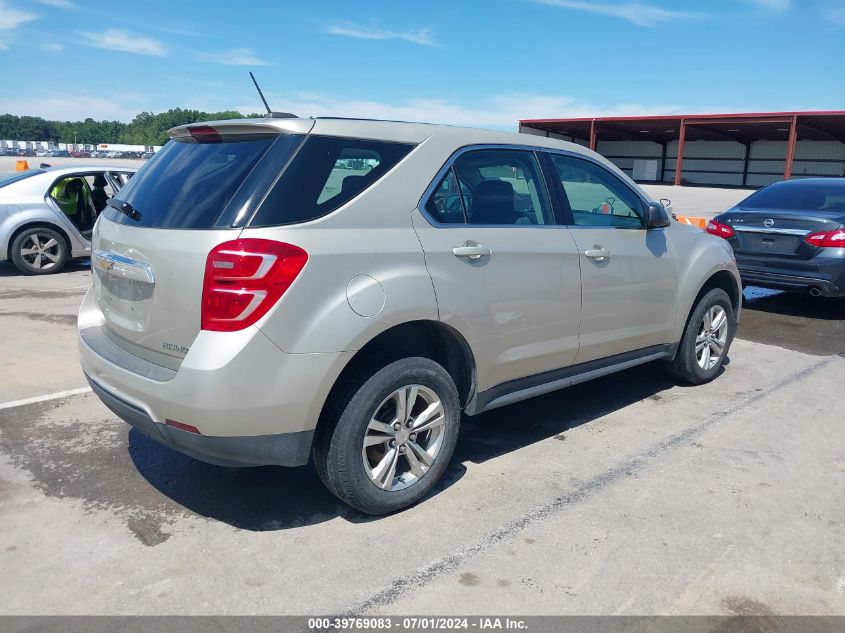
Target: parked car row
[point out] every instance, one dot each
(43, 153)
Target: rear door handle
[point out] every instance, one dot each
(472, 250)
(598, 253)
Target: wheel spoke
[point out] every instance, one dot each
(717, 345)
(34, 240)
(705, 359)
(380, 427)
(720, 319)
(700, 342)
(416, 466)
(51, 256)
(36, 263)
(421, 454)
(708, 319)
(405, 399)
(29, 251)
(431, 417)
(50, 243)
(375, 440)
(383, 473)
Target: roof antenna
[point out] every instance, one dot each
(270, 114)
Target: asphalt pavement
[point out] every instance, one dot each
(627, 495)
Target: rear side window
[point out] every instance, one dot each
(502, 187)
(325, 174)
(188, 185)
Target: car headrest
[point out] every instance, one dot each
(352, 184)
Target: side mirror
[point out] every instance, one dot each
(656, 216)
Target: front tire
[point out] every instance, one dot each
(39, 251)
(386, 439)
(706, 340)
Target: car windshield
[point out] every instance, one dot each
(8, 180)
(799, 196)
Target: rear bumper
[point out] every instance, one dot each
(284, 449)
(252, 403)
(824, 274)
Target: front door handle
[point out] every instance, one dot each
(472, 250)
(598, 253)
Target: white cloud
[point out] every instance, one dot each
(11, 18)
(496, 111)
(122, 107)
(53, 47)
(347, 28)
(834, 12)
(119, 40)
(3, 47)
(235, 57)
(634, 12)
(61, 4)
(778, 6)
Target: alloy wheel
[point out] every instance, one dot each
(712, 337)
(403, 437)
(42, 252)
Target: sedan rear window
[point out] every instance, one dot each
(325, 174)
(799, 196)
(188, 185)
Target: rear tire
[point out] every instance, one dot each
(39, 251)
(706, 340)
(360, 454)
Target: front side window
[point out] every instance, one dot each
(502, 187)
(325, 174)
(595, 196)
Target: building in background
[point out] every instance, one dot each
(712, 150)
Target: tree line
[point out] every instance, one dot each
(145, 129)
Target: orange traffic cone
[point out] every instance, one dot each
(21, 165)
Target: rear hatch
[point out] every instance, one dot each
(777, 233)
(151, 244)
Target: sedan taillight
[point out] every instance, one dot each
(244, 279)
(827, 239)
(722, 230)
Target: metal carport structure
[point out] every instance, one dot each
(730, 150)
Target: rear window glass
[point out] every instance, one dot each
(325, 174)
(798, 196)
(188, 185)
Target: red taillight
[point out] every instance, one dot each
(722, 230)
(205, 134)
(827, 239)
(244, 279)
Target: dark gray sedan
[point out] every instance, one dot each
(790, 235)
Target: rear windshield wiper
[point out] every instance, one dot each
(125, 208)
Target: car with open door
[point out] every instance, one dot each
(47, 215)
(286, 290)
(790, 236)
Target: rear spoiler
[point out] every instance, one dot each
(215, 131)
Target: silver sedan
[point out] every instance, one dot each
(46, 215)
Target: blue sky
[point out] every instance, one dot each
(467, 62)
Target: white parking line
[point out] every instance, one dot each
(49, 396)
